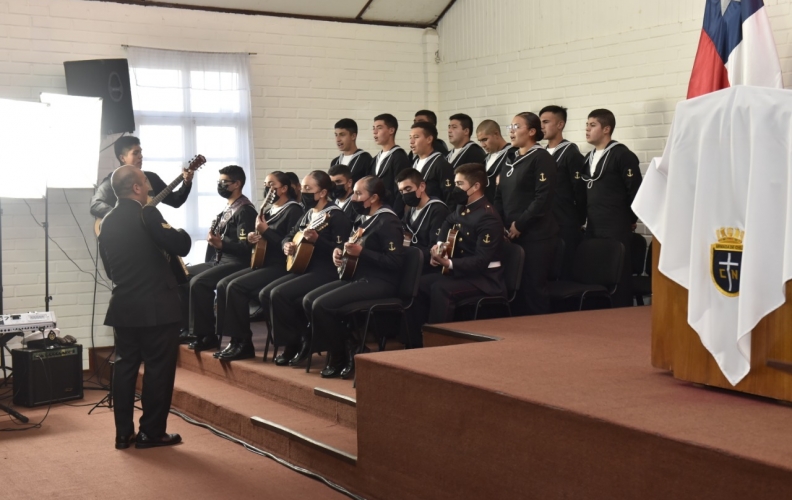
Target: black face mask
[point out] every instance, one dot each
(459, 196)
(358, 207)
(339, 192)
(309, 201)
(223, 191)
(411, 199)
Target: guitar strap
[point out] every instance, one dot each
(230, 211)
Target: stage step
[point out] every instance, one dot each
(298, 436)
(331, 399)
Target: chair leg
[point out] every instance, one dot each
(582, 298)
(310, 348)
(269, 339)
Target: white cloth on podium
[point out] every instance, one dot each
(720, 203)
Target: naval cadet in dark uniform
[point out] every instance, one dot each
(612, 175)
(144, 308)
(525, 202)
(235, 290)
(227, 252)
(341, 194)
(434, 168)
(128, 152)
(475, 267)
(488, 133)
(423, 217)
(569, 204)
(327, 228)
(357, 160)
(380, 253)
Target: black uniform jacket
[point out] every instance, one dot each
(471, 153)
(104, 199)
(279, 226)
(383, 248)
(425, 230)
(611, 191)
(236, 249)
(569, 206)
(438, 146)
(525, 194)
(479, 244)
(346, 207)
(390, 168)
(132, 244)
(333, 233)
(438, 175)
(359, 164)
(495, 170)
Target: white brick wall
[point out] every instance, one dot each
(306, 75)
(501, 57)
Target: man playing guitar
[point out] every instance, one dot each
(128, 152)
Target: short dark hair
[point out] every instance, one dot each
(122, 181)
(322, 179)
(605, 117)
(556, 110)
(427, 127)
(429, 114)
(473, 173)
(464, 120)
(123, 144)
(533, 122)
(340, 169)
(374, 185)
(389, 119)
(347, 124)
(410, 174)
(235, 172)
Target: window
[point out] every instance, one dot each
(189, 103)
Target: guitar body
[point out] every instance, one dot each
(449, 246)
(97, 225)
(303, 251)
(258, 254)
(349, 262)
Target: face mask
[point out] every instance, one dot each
(309, 201)
(459, 196)
(358, 207)
(223, 191)
(339, 192)
(411, 199)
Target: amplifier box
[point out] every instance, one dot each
(44, 376)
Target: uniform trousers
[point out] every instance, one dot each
(157, 348)
(202, 296)
(327, 306)
(533, 296)
(283, 299)
(233, 298)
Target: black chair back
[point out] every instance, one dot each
(513, 260)
(558, 261)
(638, 251)
(598, 262)
(411, 277)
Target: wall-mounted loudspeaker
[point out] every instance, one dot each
(108, 79)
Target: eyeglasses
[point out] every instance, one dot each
(224, 183)
(512, 127)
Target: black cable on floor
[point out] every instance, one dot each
(257, 451)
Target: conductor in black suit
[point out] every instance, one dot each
(144, 308)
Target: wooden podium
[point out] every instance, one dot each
(677, 347)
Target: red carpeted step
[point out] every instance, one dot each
(292, 386)
(295, 435)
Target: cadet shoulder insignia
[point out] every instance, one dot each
(542, 177)
(165, 225)
(725, 260)
(339, 240)
(391, 247)
(242, 234)
(486, 239)
(577, 175)
(629, 172)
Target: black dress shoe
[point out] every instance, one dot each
(123, 442)
(185, 337)
(238, 350)
(144, 441)
(283, 358)
(227, 348)
(205, 343)
(335, 363)
(349, 370)
(304, 354)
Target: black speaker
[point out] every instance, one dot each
(43, 376)
(108, 79)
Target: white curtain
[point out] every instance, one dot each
(189, 103)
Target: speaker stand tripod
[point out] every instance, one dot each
(107, 401)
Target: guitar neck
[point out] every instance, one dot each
(165, 192)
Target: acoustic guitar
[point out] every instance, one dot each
(197, 162)
(303, 249)
(446, 249)
(213, 231)
(349, 262)
(260, 250)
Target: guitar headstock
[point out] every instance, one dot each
(197, 162)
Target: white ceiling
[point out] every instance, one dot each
(399, 12)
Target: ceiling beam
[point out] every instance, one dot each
(224, 10)
(440, 17)
(364, 9)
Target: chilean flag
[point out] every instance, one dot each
(736, 48)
